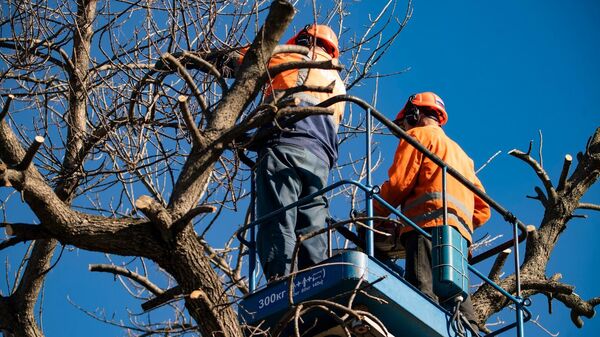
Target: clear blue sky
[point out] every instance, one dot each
(505, 69)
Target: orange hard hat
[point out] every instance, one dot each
(429, 100)
(322, 33)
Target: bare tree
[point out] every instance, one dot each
(114, 89)
(560, 202)
(103, 99)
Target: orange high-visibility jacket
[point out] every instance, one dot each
(415, 184)
(306, 76)
(316, 133)
(309, 77)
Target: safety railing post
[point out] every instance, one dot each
(369, 197)
(252, 246)
(519, 305)
(444, 199)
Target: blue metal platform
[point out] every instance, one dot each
(384, 295)
(407, 312)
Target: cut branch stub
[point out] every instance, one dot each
(197, 137)
(4, 111)
(9, 230)
(20, 232)
(565, 171)
(496, 269)
(166, 296)
(157, 214)
(31, 151)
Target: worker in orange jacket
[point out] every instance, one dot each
(295, 161)
(415, 184)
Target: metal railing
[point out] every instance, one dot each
(519, 230)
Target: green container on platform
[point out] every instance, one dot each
(450, 263)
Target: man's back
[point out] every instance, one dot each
(317, 133)
(416, 183)
(312, 77)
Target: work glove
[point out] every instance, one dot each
(386, 246)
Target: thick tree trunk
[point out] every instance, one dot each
(17, 315)
(212, 311)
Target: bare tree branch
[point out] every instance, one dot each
(142, 280)
(541, 173)
(188, 80)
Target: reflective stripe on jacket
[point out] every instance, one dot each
(317, 133)
(415, 184)
(309, 77)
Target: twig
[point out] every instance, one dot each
(222, 264)
(12, 241)
(487, 162)
(288, 116)
(211, 69)
(547, 286)
(540, 196)
(593, 207)
(540, 148)
(301, 88)
(536, 321)
(178, 225)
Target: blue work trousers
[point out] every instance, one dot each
(284, 174)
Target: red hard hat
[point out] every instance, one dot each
(427, 99)
(322, 33)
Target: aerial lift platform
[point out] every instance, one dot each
(354, 293)
(377, 289)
